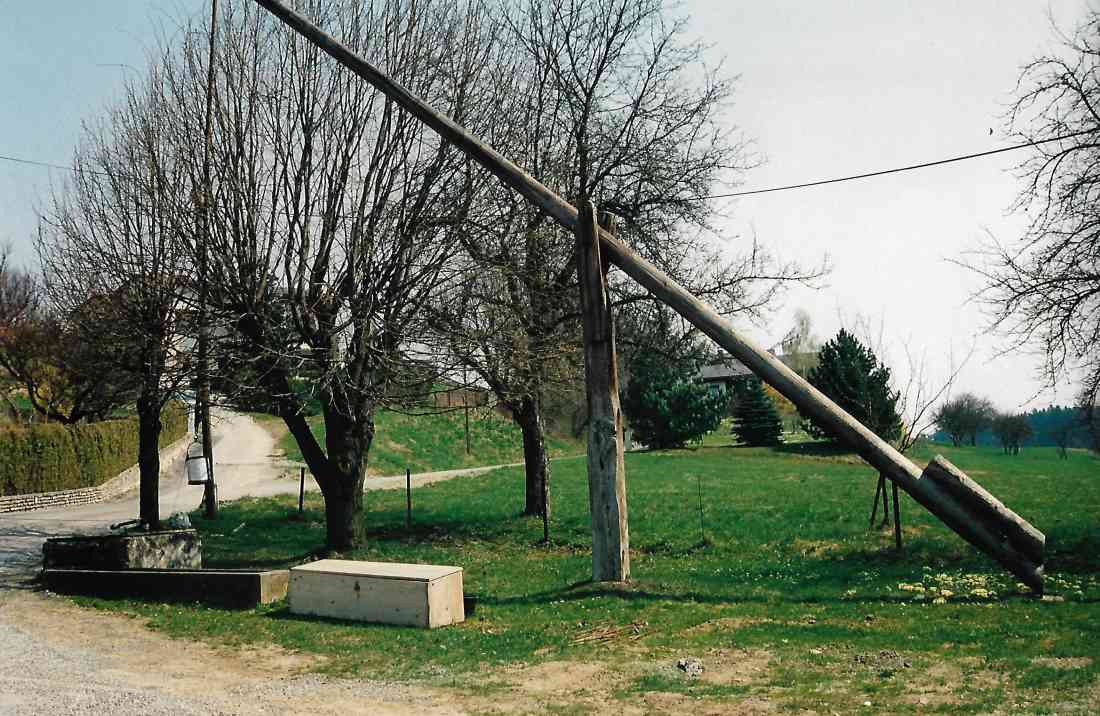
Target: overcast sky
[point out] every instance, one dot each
(826, 88)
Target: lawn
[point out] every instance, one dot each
(779, 588)
(437, 441)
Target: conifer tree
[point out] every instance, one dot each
(756, 422)
(850, 374)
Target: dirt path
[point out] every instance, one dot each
(59, 658)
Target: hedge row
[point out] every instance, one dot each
(51, 457)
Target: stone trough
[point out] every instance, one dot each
(165, 566)
(164, 549)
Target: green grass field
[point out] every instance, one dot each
(783, 591)
(424, 443)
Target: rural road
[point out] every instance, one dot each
(246, 463)
(61, 659)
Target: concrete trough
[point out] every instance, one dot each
(233, 588)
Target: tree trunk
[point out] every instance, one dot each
(535, 463)
(149, 427)
(341, 475)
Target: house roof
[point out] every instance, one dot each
(731, 368)
(723, 371)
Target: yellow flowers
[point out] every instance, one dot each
(942, 587)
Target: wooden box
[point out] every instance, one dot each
(421, 595)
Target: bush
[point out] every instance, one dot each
(50, 457)
(666, 408)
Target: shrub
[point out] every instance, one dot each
(666, 408)
(50, 457)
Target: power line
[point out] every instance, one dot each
(730, 195)
(47, 165)
(896, 170)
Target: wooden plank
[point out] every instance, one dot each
(606, 468)
(380, 570)
(811, 401)
(445, 601)
(345, 596)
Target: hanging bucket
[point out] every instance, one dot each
(196, 465)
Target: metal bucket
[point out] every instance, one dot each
(195, 465)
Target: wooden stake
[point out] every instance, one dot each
(606, 468)
(897, 519)
(956, 513)
(874, 503)
(408, 499)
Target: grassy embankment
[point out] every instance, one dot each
(788, 598)
(437, 441)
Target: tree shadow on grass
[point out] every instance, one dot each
(281, 562)
(816, 449)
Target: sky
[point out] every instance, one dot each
(825, 89)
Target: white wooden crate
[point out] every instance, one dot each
(423, 595)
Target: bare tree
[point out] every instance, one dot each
(800, 345)
(333, 213)
(922, 393)
(600, 99)
(1043, 291)
(113, 263)
(1011, 429)
(964, 416)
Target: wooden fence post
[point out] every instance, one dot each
(606, 470)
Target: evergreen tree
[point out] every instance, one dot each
(850, 374)
(756, 422)
(664, 405)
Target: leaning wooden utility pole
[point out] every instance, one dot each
(972, 513)
(210, 491)
(606, 470)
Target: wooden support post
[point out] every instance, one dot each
(885, 508)
(302, 491)
(958, 513)
(606, 468)
(897, 519)
(879, 486)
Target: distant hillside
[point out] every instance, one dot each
(437, 441)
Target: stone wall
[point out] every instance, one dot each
(124, 482)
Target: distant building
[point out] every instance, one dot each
(730, 373)
(727, 374)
